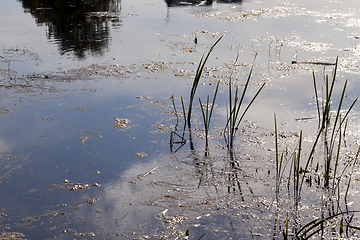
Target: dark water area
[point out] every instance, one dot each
(171, 3)
(72, 26)
(91, 146)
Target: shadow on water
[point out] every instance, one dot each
(80, 27)
(175, 3)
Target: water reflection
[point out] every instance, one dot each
(81, 27)
(174, 3)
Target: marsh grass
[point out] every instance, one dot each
(196, 81)
(176, 113)
(187, 116)
(328, 140)
(174, 134)
(207, 114)
(317, 226)
(329, 130)
(329, 137)
(234, 107)
(278, 161)
(235, 117)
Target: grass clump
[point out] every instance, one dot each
(235, 117)
(234, 113)
(329, 136)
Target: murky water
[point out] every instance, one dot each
(87, 116)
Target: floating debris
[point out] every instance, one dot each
(46, 118)
(83, 138)
(74, 186)
(65, 181)
(11, 235)
(79, 186)
(141, 176)
(142, 97)
(141, 154)
(120, 122)
(86, 234)
(5, 110)
(92, 201)
(80, 109)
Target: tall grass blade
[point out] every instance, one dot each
(197, 80)
(317, 99)
(297, 169)
(235, 103)
(351, 172)
(337, 159)
(277, 160)
(310, 157)
(249, 105)
(207, 114)
(176, 114)
(184, 114)
(316, 223)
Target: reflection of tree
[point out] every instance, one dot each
(173, 3)
(74, 25)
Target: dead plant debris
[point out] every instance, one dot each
(74, 186)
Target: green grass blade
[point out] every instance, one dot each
(213, 103)
(197, 79)
(249, 105)
(176, 114)
(297, 172)
(245, 88)
(338, 111)
(317, 99)
(348, 111)
(337, 159)
(315, 223)
(334, 77)
(310, 156)
(276, 150)
(203, 114)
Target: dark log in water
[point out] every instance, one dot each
(316, 63)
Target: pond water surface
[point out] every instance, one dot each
(87, 114)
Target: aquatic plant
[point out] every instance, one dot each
(278, 161)
(235, 102)
(234, 115)
(318, 225)
(174, 134)
(196, 81)
(330, 130)
(326, 126)
(207, 115)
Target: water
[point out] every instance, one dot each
(70, 69)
